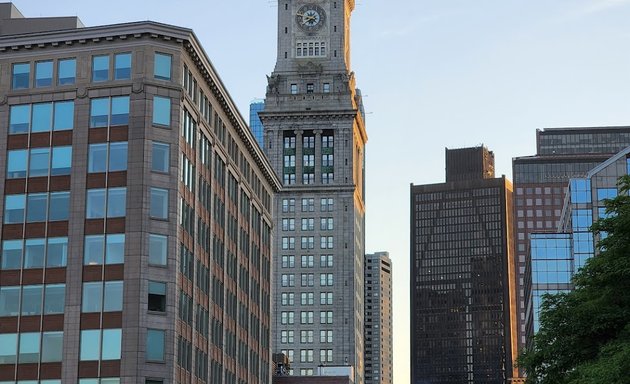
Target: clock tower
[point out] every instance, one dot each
(315, 138)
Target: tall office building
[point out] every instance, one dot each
(555, 257)
(540, 183)
(254, 121)
(462, 273)
(136, 215)
(378, 319)
(315, 138)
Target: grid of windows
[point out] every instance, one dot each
(310, 48)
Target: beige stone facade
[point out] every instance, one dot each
(186, 216)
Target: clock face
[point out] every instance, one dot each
(310, 17)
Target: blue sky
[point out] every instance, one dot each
(435, 74)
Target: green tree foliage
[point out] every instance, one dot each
(584, 335)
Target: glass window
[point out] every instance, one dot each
(157, 296)
(94, 249)
(52, 346)
(161, 111)
(155, 345)
(162, 66)
(57, 252)
(35, 252)
(43, 73)
(42, 117)
(157, 249)
(29, 348)
(66, 71)
(113, 300)
(32, 300)
(159, 203)
(122, 66)
(39, 161)
(99, 112)
(115, 249)
(95, 206)
(116, 202)
(8, 348)
(92, 297)
(14, 206)
(16, 163)
(61, 161)
(9, 302)
(20, 119)
(21, 76)
(90, 344)
(118, 156)
(112, 339)
(160, 157)
(120, 110)
(98, 246)
(64, 116)
(580, 190)
(100, 68)
(54, 298)
(97, 158)
(12, 254)
(36, 207)
(59, 206)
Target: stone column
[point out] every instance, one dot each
(298, 156)
(318, 156)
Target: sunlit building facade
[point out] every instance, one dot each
(379, 348)
(136, 210)
(315, 139)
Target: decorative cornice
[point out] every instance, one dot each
(349, 114)
(158, 31)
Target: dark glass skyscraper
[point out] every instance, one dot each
(462, 323)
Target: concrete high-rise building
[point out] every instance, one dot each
(315, 137)
(254, 121)
(555, 257)
(462, 272)
(136, 210)
(378, 319)
(540, 183)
